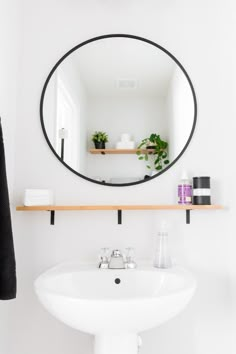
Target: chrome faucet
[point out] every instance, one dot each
(116, 260)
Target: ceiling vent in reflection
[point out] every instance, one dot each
(127, 84)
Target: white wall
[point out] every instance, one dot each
(201, 35)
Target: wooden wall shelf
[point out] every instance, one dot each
(118, 208)
(120, 151)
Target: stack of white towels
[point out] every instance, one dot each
(125, 142)
(34, 197)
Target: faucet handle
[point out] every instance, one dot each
(129, 255)
(116, 253)
(104, 258)
(104, 255)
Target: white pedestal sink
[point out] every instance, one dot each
(114, 304)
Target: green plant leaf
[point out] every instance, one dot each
(158, 154)
(152, 138)
(100, 136)
(141, 144)
(159, 167)
(164, 144)
(164, 154)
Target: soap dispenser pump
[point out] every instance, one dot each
(162, 257)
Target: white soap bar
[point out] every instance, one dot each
(34, 197)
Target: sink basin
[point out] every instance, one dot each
(114, 304)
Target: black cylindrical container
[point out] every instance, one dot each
(201, 191)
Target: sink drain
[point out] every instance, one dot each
(117, 281)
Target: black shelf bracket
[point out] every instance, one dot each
(188, 216)
(52, 217)
(119, 215)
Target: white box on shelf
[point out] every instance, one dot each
(34, 197)
(125, 145)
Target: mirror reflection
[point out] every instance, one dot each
(127, 93)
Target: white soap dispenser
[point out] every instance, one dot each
(162, 257)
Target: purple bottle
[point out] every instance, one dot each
(185, 190)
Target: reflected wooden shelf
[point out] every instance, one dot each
(120, 151)
(118, 208)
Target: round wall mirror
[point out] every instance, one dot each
(118, 110)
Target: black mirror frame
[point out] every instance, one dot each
(114, 36)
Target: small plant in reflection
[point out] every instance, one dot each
(100, 138)
(157, 157)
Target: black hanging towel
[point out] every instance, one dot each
(7, 254)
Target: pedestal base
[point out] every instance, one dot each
(116, 344)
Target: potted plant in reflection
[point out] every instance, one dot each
(100, 139)
(157, 157)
